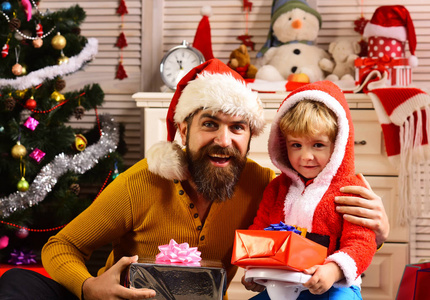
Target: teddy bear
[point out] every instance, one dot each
(343, 53)
(240, 61)
(283, 61)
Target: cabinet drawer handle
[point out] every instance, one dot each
(363, 142)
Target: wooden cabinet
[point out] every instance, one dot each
(382, 278)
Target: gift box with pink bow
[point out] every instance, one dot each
(178, 272)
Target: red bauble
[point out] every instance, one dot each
(31, 103)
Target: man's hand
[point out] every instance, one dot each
(367, 210)
(107, 286)
(323, 277)
(252, 286)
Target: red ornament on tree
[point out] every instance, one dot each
(122, 41)
(120, 73)
(122, 8)
(31, 103)
(5, 50)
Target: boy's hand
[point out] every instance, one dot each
(252, 286)
(323, 277)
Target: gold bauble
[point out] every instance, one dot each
(18, 151)
(57, 96)
(37, 43)
(58, 42)
(20, 93)
(63, 60)
(17, 69)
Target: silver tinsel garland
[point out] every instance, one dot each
(45, 181)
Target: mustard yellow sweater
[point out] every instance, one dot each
(139, 211)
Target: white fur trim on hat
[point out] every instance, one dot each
(167, 160)
(394, 32)
(221, 92)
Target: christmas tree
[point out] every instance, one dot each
(44, 161)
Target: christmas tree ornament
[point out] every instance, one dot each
(31, 103)
(75, 188)
(24, 257)
(4, 241)
(18, 150)
(121, 41)
(115, 172)
(63, 59)
(9, 103)
(31, 123)
(120, 72)
(6, 7)
(23, 69)
(23, 185)
(21, 233)
(80, 142)
(21, 93)
(28, 8)
(79, 110)
(5, 49)
(246, 38)
(57, 96)
(37, 43)
(39, 30)
(37, 155)
(58, 42)
(17, 69)
(60, 84)
(122, 8)
(14, 24)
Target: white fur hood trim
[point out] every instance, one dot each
(167, 160)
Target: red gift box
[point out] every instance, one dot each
(398, 69)
(276, 249)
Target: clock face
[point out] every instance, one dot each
(177, 63)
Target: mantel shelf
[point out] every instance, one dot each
(270, 100)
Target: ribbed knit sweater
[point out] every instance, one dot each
(139, 211)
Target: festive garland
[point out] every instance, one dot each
(37, 77)
(49, 174)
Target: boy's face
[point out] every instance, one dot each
(309, 155)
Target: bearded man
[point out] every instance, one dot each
(199, 195)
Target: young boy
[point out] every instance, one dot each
(312, 143)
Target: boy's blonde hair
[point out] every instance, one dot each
(309, 118)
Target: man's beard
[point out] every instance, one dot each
(215, 183)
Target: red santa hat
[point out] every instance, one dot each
(394, 21)
(404, 114)
(202, 39)
(213, 86)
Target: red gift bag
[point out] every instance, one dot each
(276, 249)
(415, 282)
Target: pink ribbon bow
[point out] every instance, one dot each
(178, 253)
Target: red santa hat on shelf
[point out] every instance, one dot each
(202, 39)
(404, 114)
(213, 86)
(394, 21)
